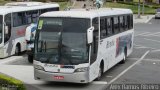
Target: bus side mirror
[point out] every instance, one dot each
(90, 35)
(6, 29)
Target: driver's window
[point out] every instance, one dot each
(94, 45)
(7, 28)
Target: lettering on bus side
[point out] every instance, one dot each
(21, 32)
(110, 44)
(121, 42)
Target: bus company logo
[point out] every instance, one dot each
(110, 44)
(21, 32)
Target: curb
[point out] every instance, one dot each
(10, 59)
(149, 19)
(145, 19)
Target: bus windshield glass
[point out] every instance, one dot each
(1, 27)
(62, 41)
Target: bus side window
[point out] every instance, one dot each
(112, 24)
(28, 17)
(102, 28)
(131, 21)
(43, 11)
(124, 23)
(108, 26)
(128, 21)
(48, 9)
(56, 9)
(52, 9)
(121, 23)
(32, 16)
(17, 19)
(116, 25)
(8, 27)
(35, 15)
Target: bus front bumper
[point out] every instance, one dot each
(78, 77)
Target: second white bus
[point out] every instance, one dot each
(14, 18)
(79, 46)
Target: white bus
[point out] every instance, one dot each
(14, 18)
(79, 46)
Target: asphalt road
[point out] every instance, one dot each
(142, 66)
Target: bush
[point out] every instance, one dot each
(8, 83)
(132, 6)
(59, 0)
(152, 5)
(51, 0)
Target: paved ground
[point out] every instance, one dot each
(142, 66)
(143, 18)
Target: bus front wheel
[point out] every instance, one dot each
(100, 71)
(30, 58)
(17, 50)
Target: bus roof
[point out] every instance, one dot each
(25, 6)
(82, 13)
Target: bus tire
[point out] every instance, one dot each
(17, 50)
(124, 57)
(100, 71)
(30, 58)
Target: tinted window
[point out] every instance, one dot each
(32, 16)
(1, 26)
(102, 28)
(116, 25)
(48, 9)
(19, 19)
(126, 22)
(109, 27)
(24, 18)
(121, 23)
(131, 20)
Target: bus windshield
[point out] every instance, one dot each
(1, 27)
(62, 41)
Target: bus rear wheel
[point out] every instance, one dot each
(17, 50)
(124, 57)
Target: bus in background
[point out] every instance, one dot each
(70, 47)
(14, 18)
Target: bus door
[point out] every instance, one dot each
(7, 33)
(93, 71)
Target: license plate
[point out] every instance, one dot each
(59, 77)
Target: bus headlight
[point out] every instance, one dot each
(38, 67)
(83, 69)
